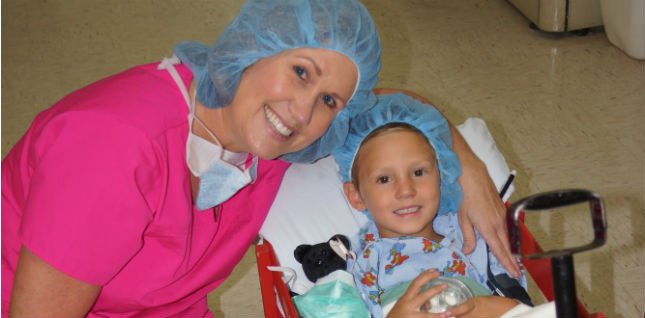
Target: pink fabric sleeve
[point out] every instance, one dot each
(91, 195)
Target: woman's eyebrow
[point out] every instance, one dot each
(318, 70)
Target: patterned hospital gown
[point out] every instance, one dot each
(382, 263)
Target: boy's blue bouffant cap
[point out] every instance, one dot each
(264, 28)
(403, 108)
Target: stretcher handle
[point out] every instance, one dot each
(566, 302)
(553, 200)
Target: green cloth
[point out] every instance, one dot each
(333, 299)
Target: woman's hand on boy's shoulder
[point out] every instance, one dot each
(482, 209)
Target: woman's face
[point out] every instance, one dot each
(285, 102)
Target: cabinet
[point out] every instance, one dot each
(561, 15)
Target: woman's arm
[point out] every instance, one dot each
(39, 290)
(481, 206)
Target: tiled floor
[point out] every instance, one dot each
(567, 111)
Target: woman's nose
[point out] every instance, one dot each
(405, 188)
(303, 108)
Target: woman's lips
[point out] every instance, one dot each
(275, 121)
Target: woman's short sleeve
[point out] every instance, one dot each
(94, 186)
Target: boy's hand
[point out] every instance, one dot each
(482, 306)
(409, 305)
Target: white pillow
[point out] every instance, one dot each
(310, 206)
(476, 134)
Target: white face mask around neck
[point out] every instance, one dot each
(221, 172)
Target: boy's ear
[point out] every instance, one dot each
(353, 196)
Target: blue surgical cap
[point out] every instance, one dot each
(264, 28)
(405, 109)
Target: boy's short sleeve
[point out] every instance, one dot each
(94, 186)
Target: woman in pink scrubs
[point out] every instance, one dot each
(138, 194)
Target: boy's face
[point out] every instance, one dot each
(398, 183)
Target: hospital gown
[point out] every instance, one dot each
(384, 263)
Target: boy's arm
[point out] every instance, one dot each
(482, 306)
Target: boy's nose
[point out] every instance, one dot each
(405, 188)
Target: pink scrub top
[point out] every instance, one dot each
(99, 189)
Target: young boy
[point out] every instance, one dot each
(398, 165)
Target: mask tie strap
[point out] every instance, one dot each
(253, 169)
(168, 64)
(201, 123)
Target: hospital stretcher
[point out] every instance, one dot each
(552, 271)
(277, 301)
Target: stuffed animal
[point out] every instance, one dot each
(320, 259)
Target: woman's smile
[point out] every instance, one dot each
(276, 122)
(308, 88)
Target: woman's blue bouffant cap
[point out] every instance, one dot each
(405, 109)
(264, 28)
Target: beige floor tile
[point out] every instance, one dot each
(567, 111)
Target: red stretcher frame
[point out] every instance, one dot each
(275, 294)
